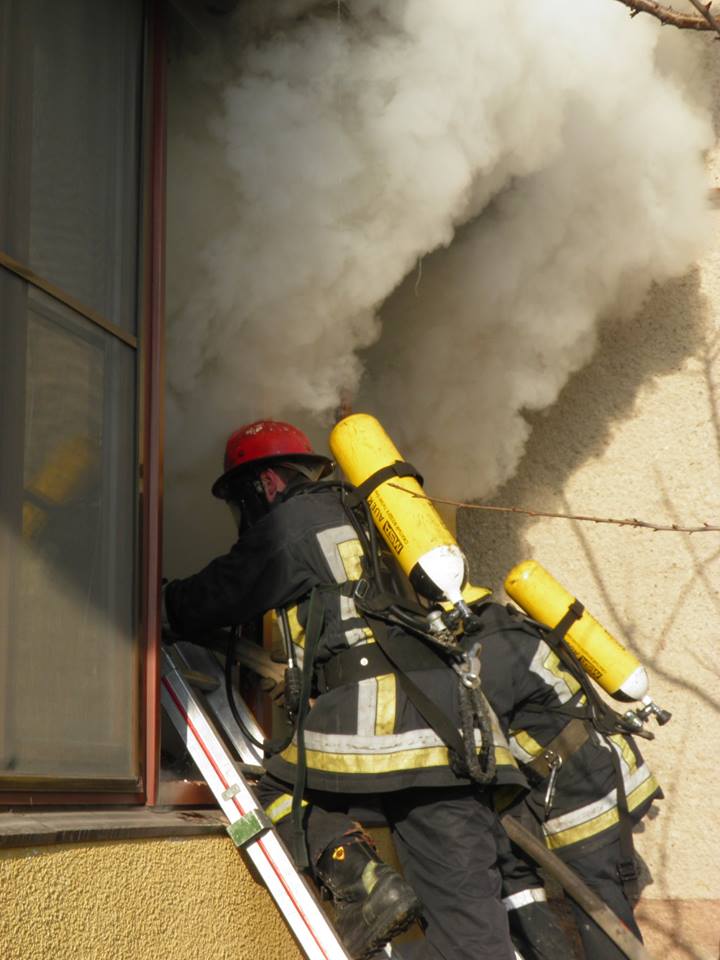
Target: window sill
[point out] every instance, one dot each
(42, 828)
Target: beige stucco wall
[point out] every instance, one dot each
(637, 434)
(188, 899)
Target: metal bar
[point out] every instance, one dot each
(14, 799)
(153, 410)
(95, 785)
(596, 909)
(272, 861)
(198, 659)
(25, 273)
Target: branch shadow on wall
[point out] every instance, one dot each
(667, 331)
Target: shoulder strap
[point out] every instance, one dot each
(401, 468)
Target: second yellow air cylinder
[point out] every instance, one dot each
(604, 658)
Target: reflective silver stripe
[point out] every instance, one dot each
(525, 897)
(389, 743)
(367, 708)
(517, 751)
(552, 677)
(499, 738)
(356, 636)
(282, 807)
(591, 810)
(329, 540)
(348, 610)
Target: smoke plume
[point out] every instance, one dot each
(469, 187)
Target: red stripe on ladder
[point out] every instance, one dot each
(242, 812)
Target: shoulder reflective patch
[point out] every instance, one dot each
(546, 665)
(329, 541)
(351, 554)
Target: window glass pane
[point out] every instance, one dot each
(68, 653)
(69, 139)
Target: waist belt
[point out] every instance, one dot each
(366, 661)
(572, 736)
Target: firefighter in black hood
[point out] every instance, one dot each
(299, 552)
(589, 782)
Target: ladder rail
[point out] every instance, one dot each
(288, 888)
(203, 660)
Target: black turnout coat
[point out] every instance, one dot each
(362, 737)
(525, 683)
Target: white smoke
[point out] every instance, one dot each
(313, 169)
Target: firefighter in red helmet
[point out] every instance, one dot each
(302, 552)
(266, 463)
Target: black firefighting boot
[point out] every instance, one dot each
(373, 903)
(536, 934)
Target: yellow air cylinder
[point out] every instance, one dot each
(606, 660)
(412, 528)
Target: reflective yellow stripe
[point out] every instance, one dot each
(280, 808)
(297, 631)
(527, 743)
(383, 762)
(625, 751)
(552, 664)
(604, 820)
(503, 758)
(351, 555)
(385, 710)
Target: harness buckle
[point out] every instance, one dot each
(360, 591)
(554, 761)
(627, 870)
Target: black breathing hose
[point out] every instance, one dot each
(229, 661)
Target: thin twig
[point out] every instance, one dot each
(666, 15)
(704, 11)
(627, 522)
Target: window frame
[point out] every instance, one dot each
(148, 347)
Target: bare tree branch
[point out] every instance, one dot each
(627, 522)
(703, 20)
(704, 11)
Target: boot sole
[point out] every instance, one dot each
(387, 926)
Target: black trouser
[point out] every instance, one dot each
(534, 928)
(445, 840)
(599, 871)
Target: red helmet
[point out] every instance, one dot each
(263, 443)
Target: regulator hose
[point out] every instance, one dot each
(229, 661)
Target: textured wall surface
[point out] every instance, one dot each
(637, 434)
(190, 899)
